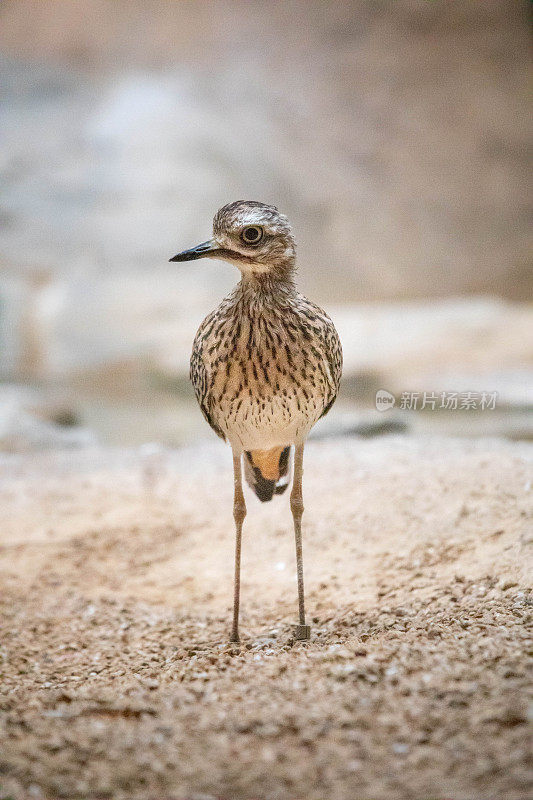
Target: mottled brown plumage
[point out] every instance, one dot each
(266, 364)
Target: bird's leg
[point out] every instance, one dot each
(302, 630)
(239, 513)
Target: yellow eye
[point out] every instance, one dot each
(252, 234)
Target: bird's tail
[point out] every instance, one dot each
(268, 471)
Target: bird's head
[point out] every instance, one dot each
(253, 236)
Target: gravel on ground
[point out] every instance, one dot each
(116, 676)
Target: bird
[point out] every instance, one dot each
(265, 367)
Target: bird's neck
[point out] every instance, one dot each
(266, 285)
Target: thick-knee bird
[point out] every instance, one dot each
(265, 366)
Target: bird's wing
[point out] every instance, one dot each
(200, 382)
(333, 354)
(332, 351)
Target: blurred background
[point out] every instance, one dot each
(395, 134)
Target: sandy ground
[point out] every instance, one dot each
(117, 680)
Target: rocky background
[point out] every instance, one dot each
(395, 135)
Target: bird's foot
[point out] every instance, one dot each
(302, 632)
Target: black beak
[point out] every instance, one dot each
(203, 250)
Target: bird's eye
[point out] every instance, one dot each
(252, 235)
